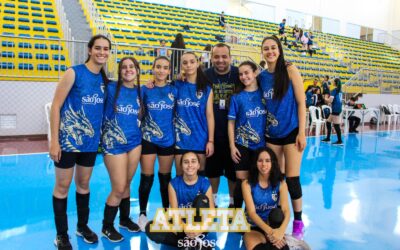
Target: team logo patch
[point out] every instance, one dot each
(171, 96)
(199, 94)
(274, 196)
(102, 87)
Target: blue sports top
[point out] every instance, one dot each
(191, 128)
(185, 193)
(82, 112)
(337, 101)
(159, 103)
(121, 127)
(282, 117)
(265, 199)
(248, 111)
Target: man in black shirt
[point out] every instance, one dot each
(224, 77)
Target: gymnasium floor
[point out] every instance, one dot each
(351, 198)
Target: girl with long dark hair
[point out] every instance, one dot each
(335, 99)
(283, 92)
(75, 122)
(121, 145)
(266, 196)
(194, 120)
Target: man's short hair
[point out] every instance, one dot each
(221, 45)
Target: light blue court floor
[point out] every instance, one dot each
(351, 199)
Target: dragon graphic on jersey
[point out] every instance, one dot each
(271, 121)
(246, 133)
(112, 133)
(151, 128)
(181, 128)
(74, 125)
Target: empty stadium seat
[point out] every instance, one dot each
(61, 67)
(25, 66)
(43, 67)
(7, 65)
(7, 54)
(25, 55)
(42, 56)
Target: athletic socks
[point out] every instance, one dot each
(124, 209)
(297, 215)
(329, 129)
(60, 215)
(237, 194)
(146, 182)
(164, 181)
(82, 205)
(338, 132)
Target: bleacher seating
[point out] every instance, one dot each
(30, 31)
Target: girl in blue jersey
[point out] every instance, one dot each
(75, 121)
(283, 92)
(184, 192)
(266, 197)
(336, 101)
(158, 135)
(121, 145)
(194, 120)
(246, 125)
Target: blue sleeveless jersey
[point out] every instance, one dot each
(191, 129)
(337, 101)
(157, 126)
(265, 199)
(282, 117)
(248, 111)
(185, 193)
(121, 126)
(82, 112)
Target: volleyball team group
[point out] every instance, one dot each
(237, 122)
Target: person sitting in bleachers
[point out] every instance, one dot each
(221, 20)
(354, 121)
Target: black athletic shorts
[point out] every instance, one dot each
(69, 159)
(220, 163)
(149, 148)
(246, 158)
(289, 139)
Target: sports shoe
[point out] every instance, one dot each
(326, 140)
(143, 222)
(88, 235)
(298, 229)
(129, 225)
(62, 242)
(338, 143)
(111, 234)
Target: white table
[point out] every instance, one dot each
(350, 111)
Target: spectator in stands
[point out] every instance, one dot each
(205, 57)
(314, 86)
(283, 90)
(336, 100)
(325, 85)
(281, 31)
(221, 20)
(178, 47)
(304, 42)
(224, 77)
(75, 122)
(354, 121)
(310, 43)
(295, 31)
(163, 51)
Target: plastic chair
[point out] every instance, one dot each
(394, 114)
(317, 122)
(386, 115)
(323, 107)
(47, 109)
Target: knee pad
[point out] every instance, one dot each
(275, 218)
(294, 187)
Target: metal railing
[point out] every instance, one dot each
(374, 81)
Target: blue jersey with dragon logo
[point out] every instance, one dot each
(282, 117)
(248, 111)
(185, 193)
(191, 129)
(121, 124)
(265, 199)
(82, 111)
(157, 126)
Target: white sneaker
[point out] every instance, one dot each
(143, 222)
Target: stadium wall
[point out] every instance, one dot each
(24, 102)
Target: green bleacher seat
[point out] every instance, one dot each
(37, 21)
(9, 18)
(8, 26)
(36, 14)
(9, 11)
(52, 30)
(36, 8)
(23, 13)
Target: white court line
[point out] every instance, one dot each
(39, 153)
